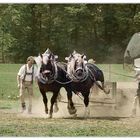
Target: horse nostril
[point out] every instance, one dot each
(79, 72)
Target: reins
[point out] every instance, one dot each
(63, 83)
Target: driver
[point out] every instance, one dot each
(27, 73)
(137, 96)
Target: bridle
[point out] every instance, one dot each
(52, 77)
(73, 75)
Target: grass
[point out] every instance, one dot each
(8, 86)
(8, 72)
(8, 83)
(12, 124)
(116, 73)
(8, 104)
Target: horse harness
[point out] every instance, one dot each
(89, 73)
(72, 78)
(28, 73)
(76, 79)
(51, 79)
(54, 78)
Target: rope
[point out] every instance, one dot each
(73, 77)
(80, 96)
(53, 78)
(89, 101)
(74, 103)
(63, 83)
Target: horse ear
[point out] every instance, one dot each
(56, 57)
(74, 52)
(67, 58)
(50, 56)
(41, 56)
(83, 56)
(47, 51)
(71, 55)
(53, 57)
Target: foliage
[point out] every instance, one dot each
(8, 86)
(98, 30)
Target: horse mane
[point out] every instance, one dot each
(62, 65)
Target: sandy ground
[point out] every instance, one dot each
(101, 104)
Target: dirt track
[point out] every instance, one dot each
(120, 106)
(104, 119)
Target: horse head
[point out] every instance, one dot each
(47, 65)
(76, 65)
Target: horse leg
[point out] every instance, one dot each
(86, 102)
(71, 107)
(53, 100)
(107, 91)
(101, 79)
(57, 100)
(45, 100)
(56, 107)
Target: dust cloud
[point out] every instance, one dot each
(101, 104)
(119, 105)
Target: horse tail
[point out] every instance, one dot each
(100, 76)
(97, 75)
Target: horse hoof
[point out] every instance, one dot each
(86, 116)
(72, 111)
(86, 113)
(75, 115)
(46, 111)
(50, 116)
(107, 91)
(56, 109)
